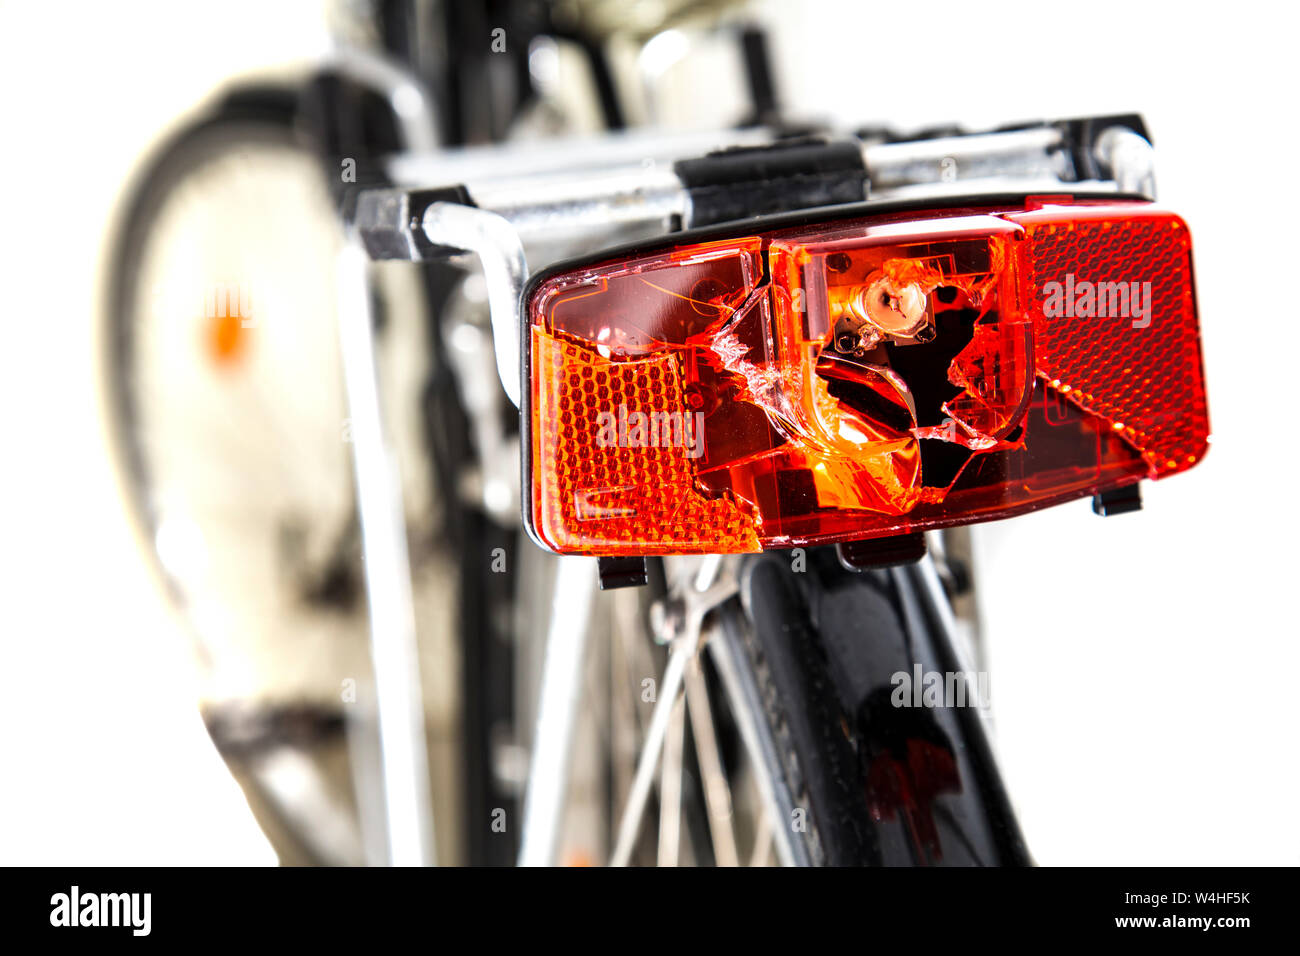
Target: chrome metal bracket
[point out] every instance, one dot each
(494, 240)
(393, 649)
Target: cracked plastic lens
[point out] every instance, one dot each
(864, 378)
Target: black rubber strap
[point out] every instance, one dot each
(758, 181)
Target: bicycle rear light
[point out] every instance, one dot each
(860, 378)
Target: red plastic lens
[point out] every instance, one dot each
(861, 378)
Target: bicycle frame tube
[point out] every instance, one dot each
(408, 816)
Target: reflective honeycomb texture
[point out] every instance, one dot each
(614, 458)
(1116, 330)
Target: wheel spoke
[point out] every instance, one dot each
(670, 786)
(717, 795)
(630, 825)
(707, 594)
(762, 855)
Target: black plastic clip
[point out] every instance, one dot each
(882, 552)
(747, 181)
(1118, 501)
(621, 573)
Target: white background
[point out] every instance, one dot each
(1143, 667)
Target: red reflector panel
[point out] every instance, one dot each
(1100, 283)
(861, 378)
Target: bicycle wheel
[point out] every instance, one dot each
(806, 658)
(879, 780)
(224, 377)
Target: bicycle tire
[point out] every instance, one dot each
(816, 647)
(260, 115)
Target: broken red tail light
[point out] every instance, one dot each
(860, 378)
